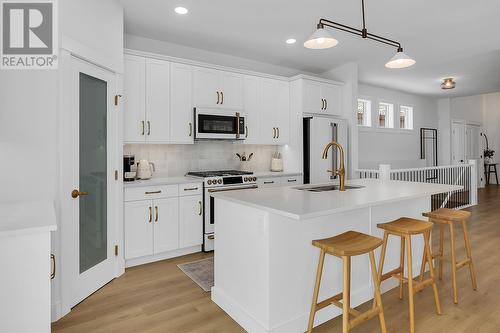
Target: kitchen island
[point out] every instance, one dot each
(265, 264)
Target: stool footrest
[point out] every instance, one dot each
(353, 312)
(421, 285)
(463, 263)
(328, 301)
(362, 317)
(391, 273)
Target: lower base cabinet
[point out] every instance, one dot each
(163, 224)
(191, 221)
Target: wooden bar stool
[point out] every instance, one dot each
(405, 228)
(346, 245)
(448, 217)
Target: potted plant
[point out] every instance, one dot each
(488, 155)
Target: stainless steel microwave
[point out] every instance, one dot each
(219, 124)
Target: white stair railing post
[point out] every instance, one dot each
(473, 182)
(384, 171)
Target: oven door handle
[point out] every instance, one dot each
(212, 190)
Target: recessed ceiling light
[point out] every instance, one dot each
(181, 10)
(291, 41)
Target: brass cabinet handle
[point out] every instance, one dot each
(150, 214)
(218, 97)
(143, 127)
(278, 129)
(153, 192)
(201, 208)
(75, 194)
(156, 213)
(326, 104)
(190, 189)
(190, 129)
(211, 237)
(271, 182)
(246, 131)
(322, 104)
(292, 180)
(53, 270)
(274, 132)
(222, 97)
(149, 127)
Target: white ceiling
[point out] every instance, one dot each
(458, 38)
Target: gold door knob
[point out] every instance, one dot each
(75, 194)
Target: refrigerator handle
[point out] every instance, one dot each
(335, 152)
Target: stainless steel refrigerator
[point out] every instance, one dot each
(318, 132)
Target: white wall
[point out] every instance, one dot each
(175, 50)
(94, 29)
(491, 121)
(400, 148)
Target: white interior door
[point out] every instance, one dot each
(89, 185)
(457, 142)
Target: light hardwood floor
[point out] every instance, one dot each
(159, 298)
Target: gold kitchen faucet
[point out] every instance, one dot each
(341, 170)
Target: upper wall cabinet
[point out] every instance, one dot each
(147, 100)
(134, 87)
(320, 97)
(267, 110)
(216, 88)
(181, 104)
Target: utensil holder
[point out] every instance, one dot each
(276, 164)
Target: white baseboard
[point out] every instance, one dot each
(162, 256)
(57, 311)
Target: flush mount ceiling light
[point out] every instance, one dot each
(181, 10)
(448, 83)
(322, 39)
(291, 41)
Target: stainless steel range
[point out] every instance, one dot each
(218, 181)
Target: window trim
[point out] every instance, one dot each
(391, 118)
(410, 117)
(369, 122)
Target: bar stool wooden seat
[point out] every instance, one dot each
(449, 217)
(346, 245)
(405, 228)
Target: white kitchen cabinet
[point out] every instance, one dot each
(134, 88)
(138, 229)
(147, 100)
(275, 112)
(251, 89)
(166, 224)
(157, 101)
(269, 182)
(321, 97)
(216, 88)
(291, 180)
(190, 220)
(181, 105)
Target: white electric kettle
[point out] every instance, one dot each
(145, 169)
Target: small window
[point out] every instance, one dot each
(364, 112)
(406, 117)
(385, 115)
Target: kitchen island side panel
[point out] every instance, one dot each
(242, 264)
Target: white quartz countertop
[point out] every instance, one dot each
(269, 174)
(297, 204)
(162, 181)
(27, 218)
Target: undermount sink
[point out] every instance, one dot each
(324, 188)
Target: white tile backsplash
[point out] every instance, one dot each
(176, 160)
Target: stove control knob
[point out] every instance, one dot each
(209, 182)
(245, 179)
(219, 181)
(254, 179)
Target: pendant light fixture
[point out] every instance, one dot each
(321, 39)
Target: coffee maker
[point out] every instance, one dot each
(128, 173)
